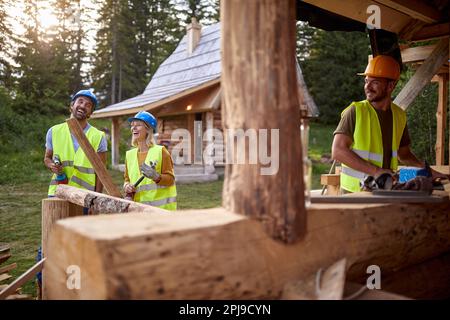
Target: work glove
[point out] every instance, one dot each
(149, 171)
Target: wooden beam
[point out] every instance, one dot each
(215, 254)
(8, 268)
(441, 30)
(259, 84)
(391, 20)
(416, 53)
(423, 75)
(414, 8)
(115, 140)
(54, 209)
(441, 116)
(93, 158)
(101, 203)
(27, 276)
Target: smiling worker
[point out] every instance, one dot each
(73, 162)
(158, 188)
(372, 136)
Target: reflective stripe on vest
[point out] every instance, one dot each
(76, 166)
(368, 142)
(148, 191)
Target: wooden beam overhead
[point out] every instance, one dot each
(441, 30)
(416, 9)
(391, 19)
(423, 75)
(416, 53)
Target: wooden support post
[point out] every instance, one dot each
(423, 75)
(115, 140)
(259, 86)
(441, 116)
(209, 167)
(54, 209)
(93, 157)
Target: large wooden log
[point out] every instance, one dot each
(214, 254)
(260, 92)
(102, 203)
(54, 209)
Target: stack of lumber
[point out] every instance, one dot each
(5, 254)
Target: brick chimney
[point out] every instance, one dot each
(193, 32)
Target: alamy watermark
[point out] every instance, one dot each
(251, 146)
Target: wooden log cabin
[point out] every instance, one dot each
(185, 93)
(264, 239)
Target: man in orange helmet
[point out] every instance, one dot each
(372, 135)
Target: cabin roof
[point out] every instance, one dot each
(182, 74)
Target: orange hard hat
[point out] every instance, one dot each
(382, 67)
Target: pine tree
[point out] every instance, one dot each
(134, 38)
(205, 11)
(330, 71)
(40, 84)
(5, 48)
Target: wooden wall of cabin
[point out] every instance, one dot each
(167, 124)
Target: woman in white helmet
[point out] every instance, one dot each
(157, 188)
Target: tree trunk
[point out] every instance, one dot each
(260, 92)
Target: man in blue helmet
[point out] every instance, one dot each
(64, 148)
(64, 157)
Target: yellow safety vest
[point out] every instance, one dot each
(368, 142)
(76, 166)
(148, 191)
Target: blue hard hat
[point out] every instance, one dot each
(88, 94)
(147, 117)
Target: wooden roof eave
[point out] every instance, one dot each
(156, 104)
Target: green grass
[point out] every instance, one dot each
(20, 216)
(20, 199)
(320, 141)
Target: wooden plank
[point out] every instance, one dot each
(4, 276)
(415, 54)
(262, 93)
(415, 9)
(216, 254)
(441, 116)
(441, 30)
(330, 179)
(54, 209)
(101, 203)
(115, 140)
(4, 256)
(378, 199)
(423, 75)
(327, 285)
(27, 276)
(391, 20)
(4, 249)
(93, 158)
(8, 268)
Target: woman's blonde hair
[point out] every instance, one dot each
(149, 140)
